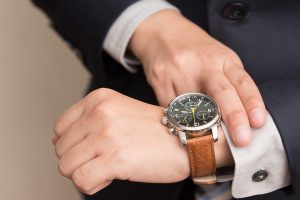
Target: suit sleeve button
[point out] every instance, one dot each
(260, 176)
(235, 11)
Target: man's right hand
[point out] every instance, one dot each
(179, 57)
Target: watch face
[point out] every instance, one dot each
(192, 111)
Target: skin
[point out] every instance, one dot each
(97, 140)
(179, 57)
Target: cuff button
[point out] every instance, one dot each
(235, 11)
(259, 176)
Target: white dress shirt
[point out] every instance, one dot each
(265, 154)
(260, 168)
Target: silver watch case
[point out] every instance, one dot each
(184, 132)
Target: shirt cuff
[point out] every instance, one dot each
(261, 167)
(118, 36)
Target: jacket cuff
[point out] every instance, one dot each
(118, 36)
(261, 167)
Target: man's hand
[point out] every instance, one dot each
(179, 57)
(108, 136)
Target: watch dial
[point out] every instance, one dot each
(192, 110)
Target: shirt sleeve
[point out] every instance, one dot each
(118, 36)
(262, 167)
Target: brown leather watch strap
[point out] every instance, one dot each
(202, 159)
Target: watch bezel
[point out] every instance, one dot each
(204, 127)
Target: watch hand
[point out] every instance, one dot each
(185, 112)
(193, 111)
(199, 103)
(185, 118)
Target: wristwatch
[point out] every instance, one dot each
(194, 118)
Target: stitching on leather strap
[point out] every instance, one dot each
(192, 161)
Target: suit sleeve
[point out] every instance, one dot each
(282, 99)
(84, 24)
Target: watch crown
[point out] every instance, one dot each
(164, 121)
(166, 110)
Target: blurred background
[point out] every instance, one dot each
(39, 78)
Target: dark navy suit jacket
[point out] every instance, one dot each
(265, 34)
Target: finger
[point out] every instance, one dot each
(77, 110)
(77, 156)
(71, 115)
(74, 135)
(54, 140)
(98, 188)
(93, 175)
(249, 95)
(233, 111)
(165, 95)
(183, 86)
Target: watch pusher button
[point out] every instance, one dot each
(164, 121)
(172, 130)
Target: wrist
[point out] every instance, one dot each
(223, 154)
(150, 30)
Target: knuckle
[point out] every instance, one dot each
(243, 79)
(232, 60)
(182, 58)
(89, 192)
(253, 102)
(103, 109)
(236, 116)
(58, 151)
(62, 168)
(178, 58)
(220, 88)
(107, 132)
(108, 136)
(100, 93)
(233, 56)
(103, 135)
(81, 180)
(121, 157)
(157, 72)
(59, 127)
(100, 109)
(105, 92)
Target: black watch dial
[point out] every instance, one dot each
(192, 110)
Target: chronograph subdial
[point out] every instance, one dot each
(203, 115)
(185, 118)
(189, 105)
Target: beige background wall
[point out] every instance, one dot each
(39, 78)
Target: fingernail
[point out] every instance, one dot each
(257, 116)
(242, 135)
